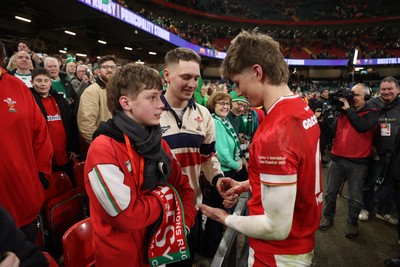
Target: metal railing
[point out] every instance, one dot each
(226, 254)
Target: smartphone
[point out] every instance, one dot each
(88, 73)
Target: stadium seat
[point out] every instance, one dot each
(52, 262)
(59, 184)
(79, 173)
(78, 246)
(63, 207)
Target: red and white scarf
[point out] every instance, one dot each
(168, 243)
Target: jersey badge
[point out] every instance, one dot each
(199, 121)
(11, 104)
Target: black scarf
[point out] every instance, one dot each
(147, 142)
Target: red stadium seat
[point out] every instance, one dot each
(79, 173)
(52, 262)
(63, 208)
(78, 246)
(59, 184)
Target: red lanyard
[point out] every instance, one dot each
(139, 182)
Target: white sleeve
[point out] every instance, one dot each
(278, 199)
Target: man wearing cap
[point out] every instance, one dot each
(70, 67)
(239, 103)
(96, 70)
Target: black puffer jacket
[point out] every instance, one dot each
(13, 240)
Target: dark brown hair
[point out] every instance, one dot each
(39, 71)
(107, 58)
(130, 80)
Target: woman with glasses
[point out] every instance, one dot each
(228, 150)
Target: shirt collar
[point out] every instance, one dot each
(191, 104)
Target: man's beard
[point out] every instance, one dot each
(104, 78)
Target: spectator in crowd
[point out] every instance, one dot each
(228, 148)
(126, 171)
(64, 137)
(239, 103)
(388, 105)
(61, 84)
(248, 126)
(15, 248)
(70, 67)
(37, 59)
(350, 156)
(204, 95)
(22, 62)
(96, 70)
(25, 161)
(326, 121)
(11, 65)
(189, 129)
(82, 79)
(284, 175)
(93, 102)
(308, 96)
(24, 46)
(211, 89)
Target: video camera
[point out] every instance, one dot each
(341, 93)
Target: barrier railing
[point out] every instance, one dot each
(226, 254)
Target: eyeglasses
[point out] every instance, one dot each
(107, 67)
(222, 103)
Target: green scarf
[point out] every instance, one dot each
(231, 131)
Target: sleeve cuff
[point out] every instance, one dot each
(230, 220)
(215, 179)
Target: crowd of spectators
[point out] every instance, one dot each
(289, 9)
(328, 42)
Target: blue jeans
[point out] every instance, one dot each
(340, 170)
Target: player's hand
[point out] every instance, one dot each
(85, 78)
(226, 183)
(230, 201)
(216, 214)
(9, 260)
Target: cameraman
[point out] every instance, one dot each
(350, 153)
